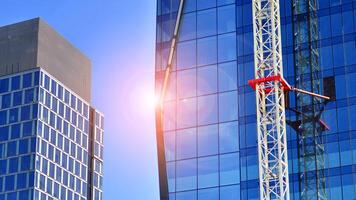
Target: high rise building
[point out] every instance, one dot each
(208, 147)
(51, 138)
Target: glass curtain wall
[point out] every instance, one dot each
(209, 110)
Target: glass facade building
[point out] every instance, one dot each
(51, 140)
(209, 114)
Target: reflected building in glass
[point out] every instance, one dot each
(51, 138)
(208, 148)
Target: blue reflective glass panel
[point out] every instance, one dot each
(208, 194)
(207, 80)
(227, 47)
(227, 76)
(4, 85)
(229, 169)
(208, 140)
(207, 109)
(207, 51)
(228, 137)
(208, 172)
(186, 54)
(186, 175)
(186, 143)
(206, 23)
(226, 19)
(228, 106)
(15, 83)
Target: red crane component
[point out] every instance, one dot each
(284, 84)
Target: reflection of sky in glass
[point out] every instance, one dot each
(118, 37)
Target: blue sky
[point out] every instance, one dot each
(118, 36)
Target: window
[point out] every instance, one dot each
(73, 101)
(228, 106)
(207, 80)
(21, 181)
(54, 87)
(206, 23)
(325, 57)
(228, 137)
(207, 109)
(24, 195)
(27, 80)
(190, 195)
(227, 76)
(186, 54)
(25, 113)
(25, 163)
(169, 144)
(350, 48)
(186, 143)
(226, 19)
(17, 100)
(230, 192)
(14, 115)
(207, 48)
(227, 47)
(66, 97)
(6, 101)
(329, 87)
(27, 128)
(186, 175)
(11, 148)
(338, 55)
(208, 140)
(208, 172)
(15, 83)
(3, 117)
(4, 85)
(3, 167)
(186, 83)
(190, 5)
(324, 27)
(203, 4)
(171, 176)
(188, 27)
(336, 20)
(229, 169)
(4, 136)
(186, 113)
(224, 2)
(15, 131)
(9, 183)
(13, 165)
(23, 146)
(169, 115)
(208, 194)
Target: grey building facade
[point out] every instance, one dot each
(51, 138)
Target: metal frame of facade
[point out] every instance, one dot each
(159, 108)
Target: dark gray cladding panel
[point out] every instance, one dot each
(63, 61)
(18, 47)
(34, 43)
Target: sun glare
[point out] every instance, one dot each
(148, 100)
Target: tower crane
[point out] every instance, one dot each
(270, 87)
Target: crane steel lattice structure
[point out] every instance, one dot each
(307, 70)
(270, 87)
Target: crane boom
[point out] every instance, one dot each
(271, 120)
